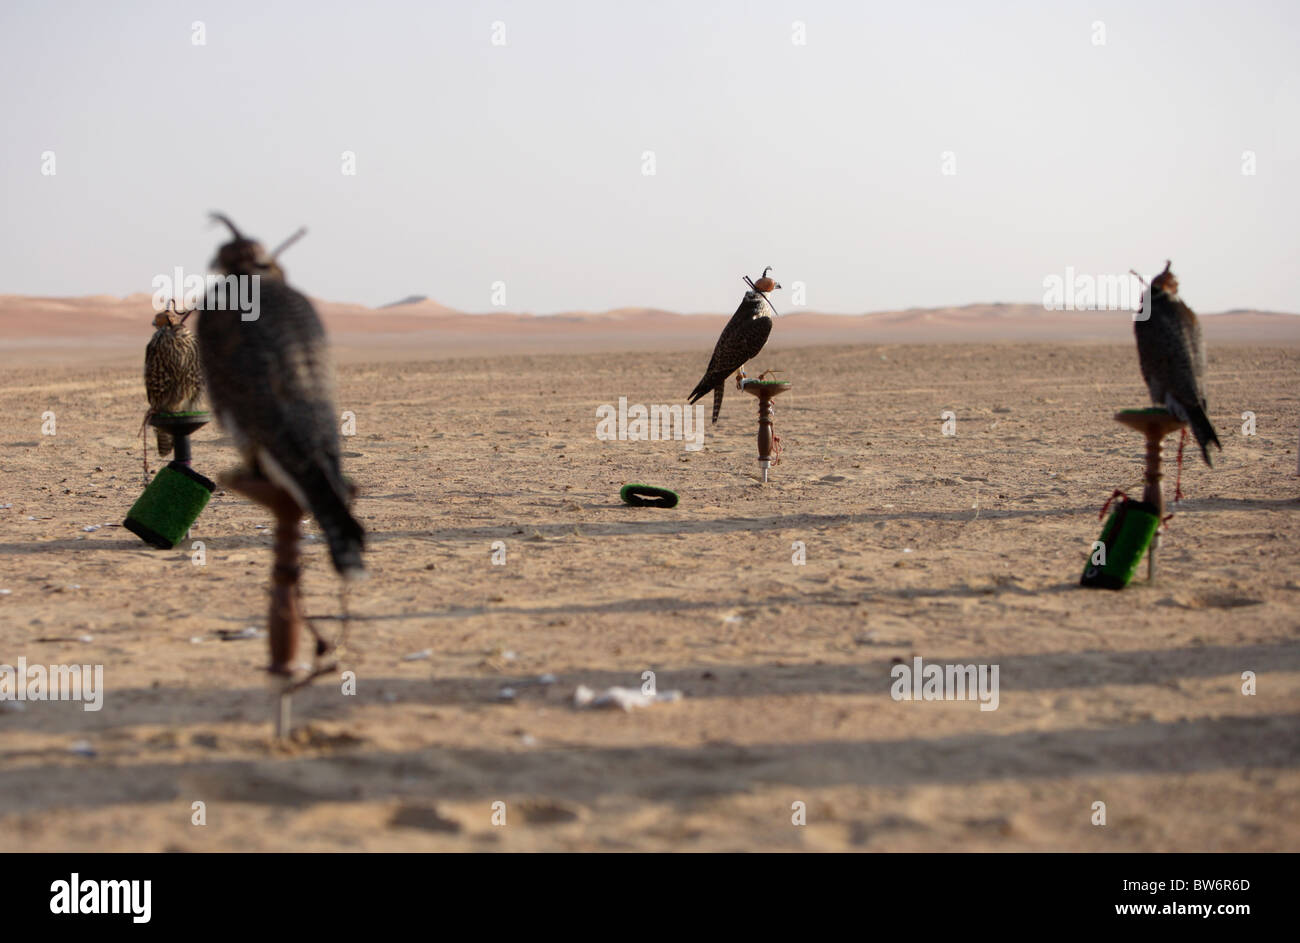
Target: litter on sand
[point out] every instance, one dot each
(235, 635)
(626, 698)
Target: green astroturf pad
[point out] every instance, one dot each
(648, 496)
(169, 506)
(1126, 536)
(1149, 411)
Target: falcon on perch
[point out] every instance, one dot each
(172, 379)
(1173, 358)
(740, 341)
(271, 385)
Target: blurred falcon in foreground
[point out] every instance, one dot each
(1173, 358)
(740, 341)
(173, 381)
(271, 385)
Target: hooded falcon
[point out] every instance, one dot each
(271, 385)
(172, 379)
(1173, 358)
(740, 341)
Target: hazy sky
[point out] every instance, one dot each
(523, 163)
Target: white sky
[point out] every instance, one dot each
(523, 163)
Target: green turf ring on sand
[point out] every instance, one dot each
(648, 496)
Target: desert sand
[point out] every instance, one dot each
(957, 549)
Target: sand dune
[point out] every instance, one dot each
(99, 327)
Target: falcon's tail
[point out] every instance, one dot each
(1203, 431)
(164, 442)
(700, 389)
(328, 497)
(703, 387)
(347, 538)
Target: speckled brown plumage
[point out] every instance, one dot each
(173, 381)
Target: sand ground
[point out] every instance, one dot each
(957, 549)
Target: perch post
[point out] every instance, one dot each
(765, 390)
(1154, 424)
(285, 617)
(284, 714)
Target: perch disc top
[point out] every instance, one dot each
(1154, 419)
(1148, 411)
(648, 496)
(184, 422)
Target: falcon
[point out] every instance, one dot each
(271, 384)
(172, 379)
(740, 341)
(1173, 359)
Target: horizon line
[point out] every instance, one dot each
(789, 312)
